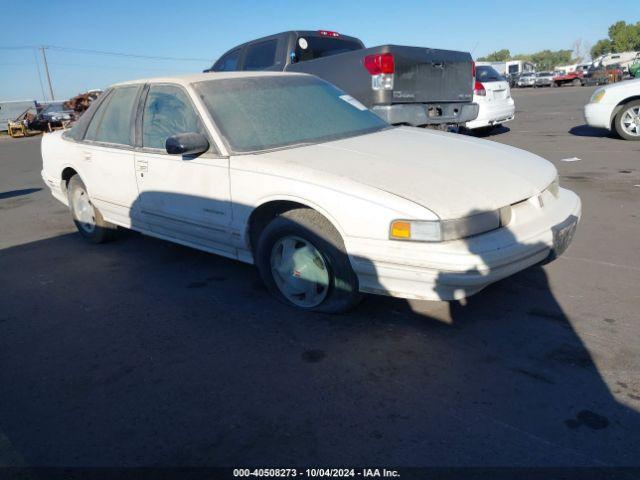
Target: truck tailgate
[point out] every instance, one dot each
(431, 75)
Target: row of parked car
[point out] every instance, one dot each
(592, 75)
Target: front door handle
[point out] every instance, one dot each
(142, 165)
(87, 156)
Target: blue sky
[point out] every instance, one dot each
(205, 29)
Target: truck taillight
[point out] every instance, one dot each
(328, 33)
(478, 89)
(381, 67)
(379, 63)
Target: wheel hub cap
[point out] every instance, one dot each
(631, 121)
(299, 271)
(83, 210)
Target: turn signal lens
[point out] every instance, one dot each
(400, 229)
(597, 96)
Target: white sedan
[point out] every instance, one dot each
(493, 96)
(616, 107)
(287, 172)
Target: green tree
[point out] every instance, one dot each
(602, 47)
(499, 56)
(549, 59)
(624, 37)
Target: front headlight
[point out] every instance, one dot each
(444, 230)
(597, 96)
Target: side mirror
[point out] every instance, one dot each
(187, 144)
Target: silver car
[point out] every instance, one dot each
(527, 79)
(544, 79)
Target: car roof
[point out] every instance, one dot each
(201, 77)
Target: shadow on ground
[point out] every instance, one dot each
(588, 131)
(18, 193)
(143, 352)
(488, 131)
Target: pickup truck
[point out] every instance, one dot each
(403, 85)
(575, 78)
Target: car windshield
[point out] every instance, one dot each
(263, 113)
(485, 73)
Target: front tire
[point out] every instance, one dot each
(627, 121)
(303, 262)
(86, 216)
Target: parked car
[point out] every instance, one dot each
(512, 78)
(596, 75)
(616, 107)
(527, 79)
(493, 95)
(402, 85)
(51, 115)
(574, 77)
(290, 173)
(544, 79)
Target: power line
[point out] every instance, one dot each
(105, 52)
(109, 67)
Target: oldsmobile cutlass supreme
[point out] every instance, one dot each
(288, 172)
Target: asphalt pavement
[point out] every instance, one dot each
(145, 353)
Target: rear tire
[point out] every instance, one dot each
(303, 262)
(86, 216)
(623, 123)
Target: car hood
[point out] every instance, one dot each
(631, 86)
(449, 174)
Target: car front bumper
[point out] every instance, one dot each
(598, 115)
(493, 113)
(456, 269)
(418, 114)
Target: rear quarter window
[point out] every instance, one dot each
(112, 121)
(310, 48)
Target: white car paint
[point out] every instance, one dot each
(496, 107)
(601, 114)
(360, 184)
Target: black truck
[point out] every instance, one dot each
(403, 85)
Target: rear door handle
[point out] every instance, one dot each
(87, 156)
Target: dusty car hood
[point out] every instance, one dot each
(451, 175)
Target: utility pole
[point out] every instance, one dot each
(46, 67)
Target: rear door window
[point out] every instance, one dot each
(112, 121)
(260, 55)
(229, 62)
